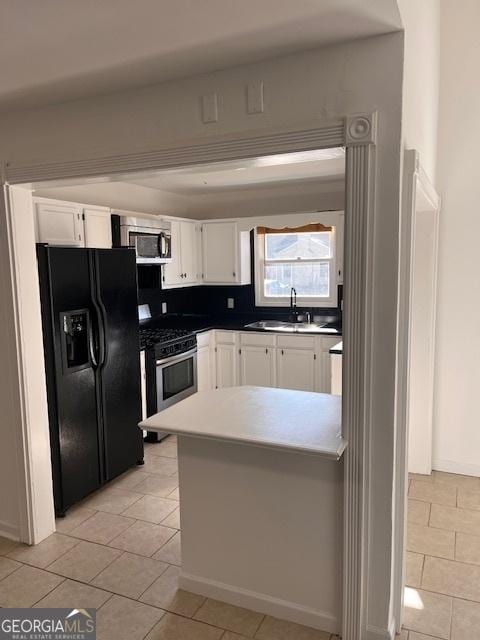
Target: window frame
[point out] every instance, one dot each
(261, 300)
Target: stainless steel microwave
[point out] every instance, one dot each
(151, 239)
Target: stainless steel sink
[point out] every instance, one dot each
(267, 324)
(290, 327)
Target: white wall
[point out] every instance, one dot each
(120, 195)
(421, 19)
(300, 91)
(457, 410)
(10, 402)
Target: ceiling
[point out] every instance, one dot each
(55, 50)
(281, 183)
(280, 169)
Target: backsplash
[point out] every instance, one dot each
(212, 300)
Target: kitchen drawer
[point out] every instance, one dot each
(257, 339)
(203, 339)
(225, 337)
(296, 342)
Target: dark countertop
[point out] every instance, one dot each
(198, 323)
(337, 349)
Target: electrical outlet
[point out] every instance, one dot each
(210, 108)
(230, 303)
(255, 97)
(164, 307)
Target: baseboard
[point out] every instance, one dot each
(9, 530)
(462, 468)
(377, 633)
(260, 602)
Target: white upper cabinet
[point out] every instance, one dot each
(73, 225)
(97, 227)
(188, 251)
(59, 224)
(226, 254)
(183, 269)
(172, 270)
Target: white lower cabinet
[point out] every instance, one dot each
(204, 362)
(296, 369)
(257, 366)
(336, 373)
(323, 375)
(226, 360)
(265, 360)
(226, 365)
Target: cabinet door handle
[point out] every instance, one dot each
(266, 350)
(282, 352)
(234, 274)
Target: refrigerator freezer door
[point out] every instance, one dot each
(71, 390)
(120, 367)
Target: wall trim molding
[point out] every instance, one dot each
(357, 367)
(461, 468)
(376, 633)
(330, 134)
(260, 602)
(417, 193)
(9, 530)
(357, 132)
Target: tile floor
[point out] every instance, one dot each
(442, 597)
(119, 552)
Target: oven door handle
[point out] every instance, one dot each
(181, 356)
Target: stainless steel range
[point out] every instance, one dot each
(171, 366)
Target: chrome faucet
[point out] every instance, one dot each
(293, 305)
(308, 317)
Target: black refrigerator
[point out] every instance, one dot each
(91, 345)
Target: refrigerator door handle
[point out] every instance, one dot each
(91, 343)
(102, 321)
(100, 311)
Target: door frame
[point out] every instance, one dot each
(416, 190)
(357, 133)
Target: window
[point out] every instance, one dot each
(303, 258)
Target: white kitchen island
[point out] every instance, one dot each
(261, 499)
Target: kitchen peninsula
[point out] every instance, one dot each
(261, 495)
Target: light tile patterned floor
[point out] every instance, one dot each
(119, 551)
(442, 598)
